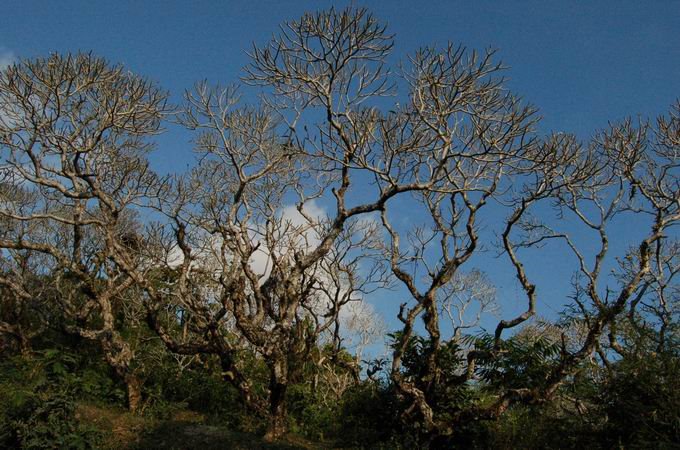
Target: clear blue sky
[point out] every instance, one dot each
(582, 63)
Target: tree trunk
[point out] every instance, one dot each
(15, 335)
(24, 345)
(23, 341)
(134, 392)
(278, 384)
(119, 356)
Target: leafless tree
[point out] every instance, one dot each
(239, 256)
(317, 139)
(635, 177)
(73, 135)
(626, 173)
(361, 326)
(21, 317)
(478, 135)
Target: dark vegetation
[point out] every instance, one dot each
(218, 308)
(63, 396)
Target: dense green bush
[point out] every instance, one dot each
(309, 415)
(642, 402)
(633, 404)
(38, 408)
(369, 416)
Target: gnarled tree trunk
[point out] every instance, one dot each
(278, 413)
(119, 356)
(134, 392)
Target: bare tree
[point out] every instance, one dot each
(361, 326)
(483, 134)
(626, 171)
(73, 134)
(21, 315)
(636, 175)
(235, 253)
(317, 139)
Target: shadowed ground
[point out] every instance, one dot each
(185, 430)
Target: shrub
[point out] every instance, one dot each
(38, 410)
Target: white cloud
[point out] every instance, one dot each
(290, 213)
(305, 236)
(361, 325)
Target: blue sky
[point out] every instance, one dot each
(581, 63)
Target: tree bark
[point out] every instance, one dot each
(278, 413)
(16, 334)
(119, 355)
(134, 392)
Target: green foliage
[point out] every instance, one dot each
(534, 427)
(199, 388)
(310, 416)
(369, 416)
(632, 404)
(39, 410)
(48, 421)
(446, 393)
(635, 403)
(519, 362)
(642, 402)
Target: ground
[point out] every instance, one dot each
(185, 430)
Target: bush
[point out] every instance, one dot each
(642, 402)
(199, 388)
(39, 410)
(310, 416)
(369, 417)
